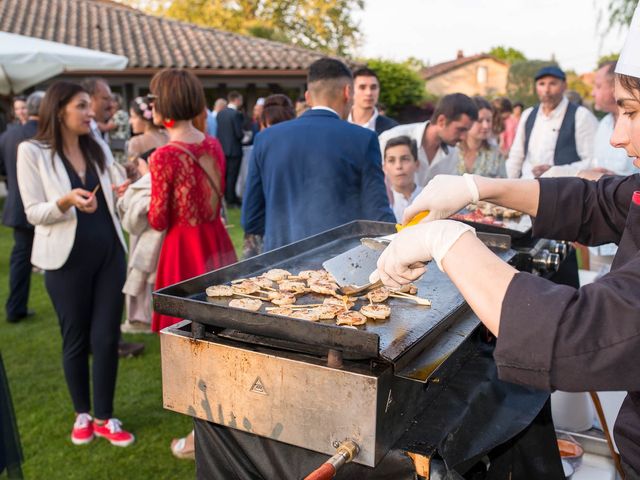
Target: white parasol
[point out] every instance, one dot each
(27, 61)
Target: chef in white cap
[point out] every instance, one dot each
(550, 336)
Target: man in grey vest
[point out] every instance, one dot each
(555, 132)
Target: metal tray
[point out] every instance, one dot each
(409, 326)
(516, 228)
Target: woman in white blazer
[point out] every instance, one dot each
(64, 180)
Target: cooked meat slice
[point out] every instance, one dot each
(378, 295)
(351, 318)
(282, 298)
(247, 287)
(323, 287)
(262, 282)
(344, 302)
(328, 312)
(306, 314)
(246, 304)
(377, 311)
(309, 274)
(284, 311)
(219, 291)
(276, 274)
(291, 286)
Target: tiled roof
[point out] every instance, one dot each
(445, 67)
(148, 41)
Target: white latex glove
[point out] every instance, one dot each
(403, 260)
(443, 196)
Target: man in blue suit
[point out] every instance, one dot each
(13, 214)
(315, 172)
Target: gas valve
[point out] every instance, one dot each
(559, 247)
(545, 261)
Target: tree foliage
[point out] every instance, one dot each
(400, 84)
(575, 83)
(612, 57)
(621, 12)
(325, 25)
(520, 83)
(508, 54)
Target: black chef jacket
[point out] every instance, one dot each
(558, 337)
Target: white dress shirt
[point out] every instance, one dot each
(606, 155)
(445, 161)
(543, 139)
(328, 109)
(97, 133)
(400, 202)
(370, 124)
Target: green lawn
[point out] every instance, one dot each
(31, 351)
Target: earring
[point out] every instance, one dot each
(169, 123)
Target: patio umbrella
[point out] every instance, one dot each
(27, 61)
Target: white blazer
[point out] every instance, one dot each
(42, 181)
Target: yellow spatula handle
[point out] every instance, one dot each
(414, 221)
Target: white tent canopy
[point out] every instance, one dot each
(27, 61)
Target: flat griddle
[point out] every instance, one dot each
(410, 325)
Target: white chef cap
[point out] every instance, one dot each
(629, 61)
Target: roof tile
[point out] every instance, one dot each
(148, 41)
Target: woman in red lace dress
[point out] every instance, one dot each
(187, 181)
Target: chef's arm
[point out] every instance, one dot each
(521, 195)
(479, 274)
(481, 277)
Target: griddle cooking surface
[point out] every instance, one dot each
(408, 325)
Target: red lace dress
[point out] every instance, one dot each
(181, 203)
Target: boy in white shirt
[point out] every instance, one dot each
(400, 165)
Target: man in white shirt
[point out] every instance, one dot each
(366, 92)
(608, 160)
(436, 138)
(555, 132)
(100, 93)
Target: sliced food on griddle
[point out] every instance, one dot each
(351, 318)
(375, 311)
(282, 298)
(277, 274)
(252, 304)
(219, 291)
(247, 287)
(378, 295)
(305, 314)
(292, 286)
(323, 287)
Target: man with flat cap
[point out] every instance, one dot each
(555, 132)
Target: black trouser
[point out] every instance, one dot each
(19, 272)
(233, 170)
(86, 293)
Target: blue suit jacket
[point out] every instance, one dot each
(13, 214)
(311, 174)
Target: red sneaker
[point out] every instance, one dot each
(112, 431)
(82, 432)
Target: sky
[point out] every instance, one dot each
(434, 30)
